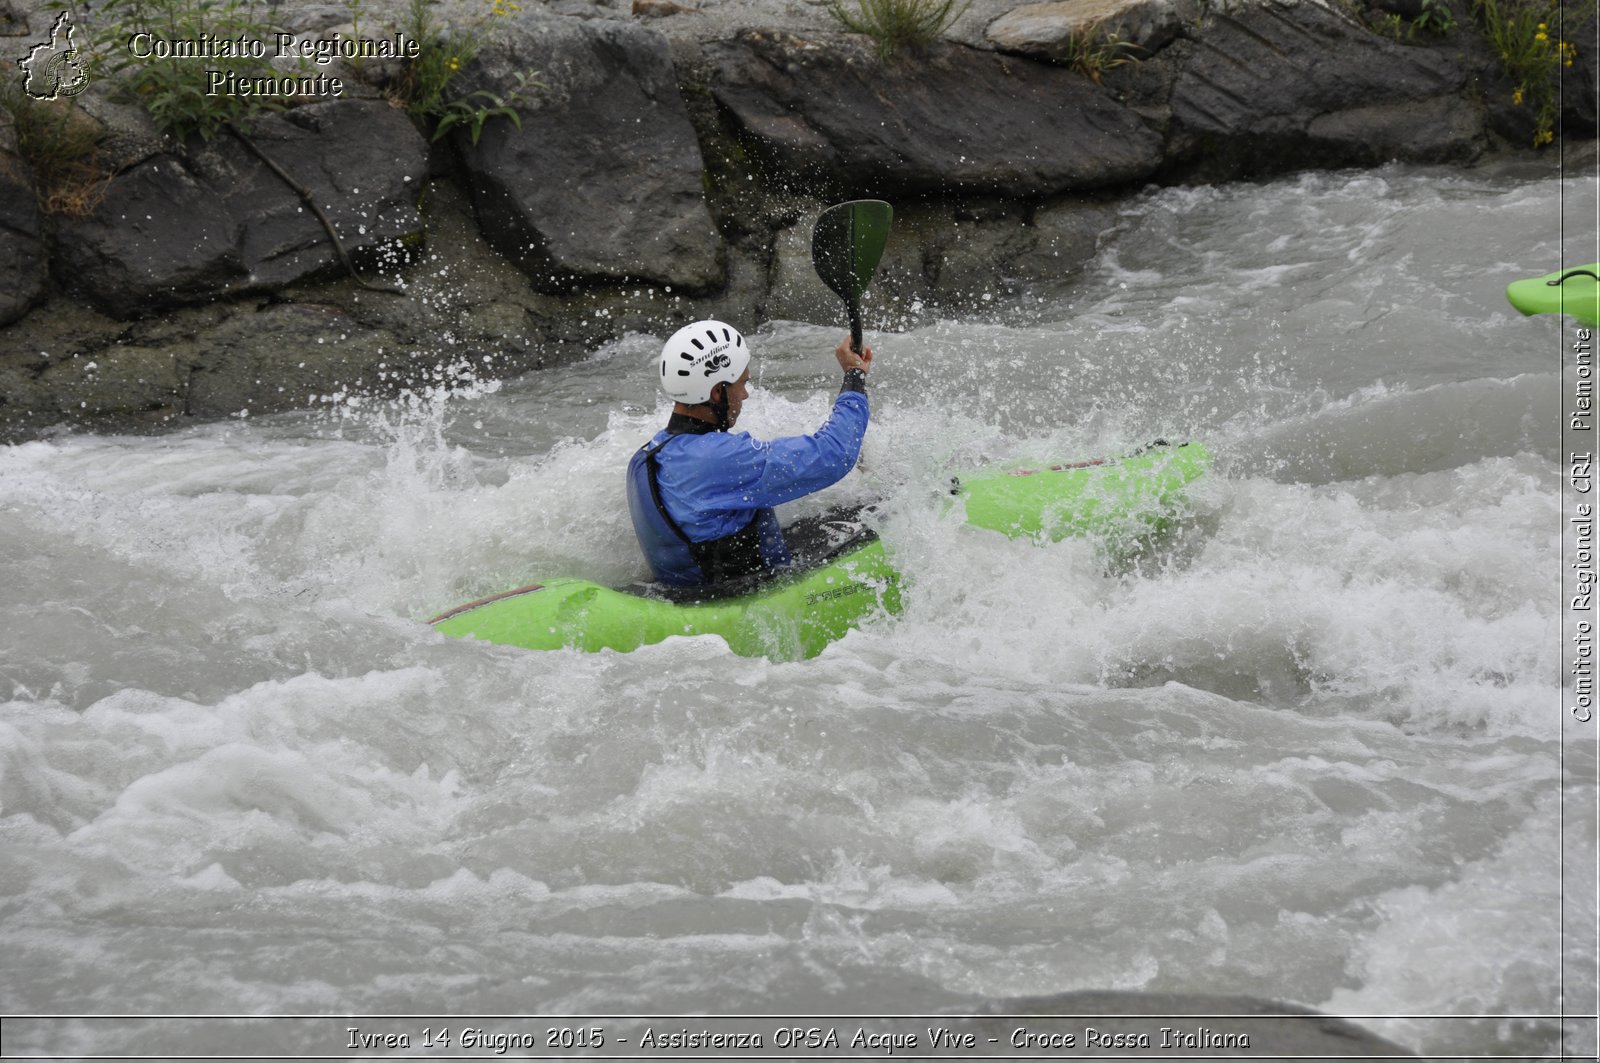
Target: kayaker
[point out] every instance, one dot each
(702, 495)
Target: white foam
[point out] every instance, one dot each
(1442, 949)
(1262, 757)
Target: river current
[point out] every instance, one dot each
(1311, 747)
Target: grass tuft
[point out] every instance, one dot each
(424, 88)
(59, 144)
(1092, 53)
(896, 25)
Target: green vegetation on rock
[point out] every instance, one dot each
(1436, 18)
(58, 142)
(424, 84)
(1092, 53)
(898, 24)
(1532, 56)
(175, 92)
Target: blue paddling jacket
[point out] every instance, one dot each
(702, 500)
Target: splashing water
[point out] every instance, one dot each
(1312, 750)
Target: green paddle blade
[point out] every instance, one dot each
(847, 244)
(1573, 291)
(845, 248)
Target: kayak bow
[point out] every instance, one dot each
(1573, 291)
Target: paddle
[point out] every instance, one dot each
(845, 248)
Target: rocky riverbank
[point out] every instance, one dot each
(668, 166)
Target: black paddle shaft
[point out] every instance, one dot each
(846, 245)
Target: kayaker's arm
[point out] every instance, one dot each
(794, 466)
(756, 474)
(798, 465)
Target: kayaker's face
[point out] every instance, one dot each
(738, 391)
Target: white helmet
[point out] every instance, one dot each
(700, 356)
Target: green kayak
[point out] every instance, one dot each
(1574, 291)
(845, 574)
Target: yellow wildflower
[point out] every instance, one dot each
(454, 64)
(1543, 136)
(1516, 97)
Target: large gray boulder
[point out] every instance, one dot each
(22, 258)
(1294, 83)
(161, 237)
(362, 161)
(826, 113)
(603, 183)
(181, 231)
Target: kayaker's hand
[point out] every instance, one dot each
(849, 359)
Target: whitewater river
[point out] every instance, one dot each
(1310, 748)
